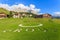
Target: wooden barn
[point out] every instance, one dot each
(3, 15)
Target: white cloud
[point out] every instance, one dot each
(5, 6)
(19, 7)
(56, 13)
(32, 6)
(37, 10)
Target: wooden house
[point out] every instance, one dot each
(43, 16)
(47, 16)
(16, 15)
(21, 14)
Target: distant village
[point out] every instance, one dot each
(24, 14)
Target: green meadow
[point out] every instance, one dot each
(50, 30)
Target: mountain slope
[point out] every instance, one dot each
(4, 11)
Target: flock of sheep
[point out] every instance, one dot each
(20, 29)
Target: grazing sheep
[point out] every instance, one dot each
(17, 30)
(40, 25)
(32, 30)
(45, 30)
(4, 31)
(20, 24)
(26, 29)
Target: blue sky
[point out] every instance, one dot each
(46, 6)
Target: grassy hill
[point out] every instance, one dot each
(49, 31)
(4, 11)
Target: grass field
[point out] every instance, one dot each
(49, 31)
